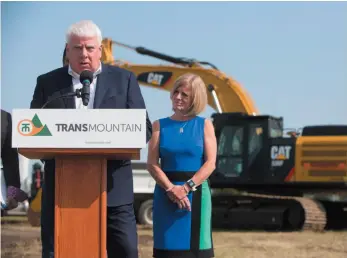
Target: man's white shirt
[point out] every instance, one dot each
(78, 85)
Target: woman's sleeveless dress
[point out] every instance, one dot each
(178, 232)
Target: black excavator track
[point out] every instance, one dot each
(314, 218)
(275, 212)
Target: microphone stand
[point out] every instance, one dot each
(68, 95)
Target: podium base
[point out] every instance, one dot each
(80, 207)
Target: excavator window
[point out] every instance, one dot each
(230, 151)
(255, 142)
(233, 151)
(241, 145)
(275, 128)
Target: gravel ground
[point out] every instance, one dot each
(21, 240)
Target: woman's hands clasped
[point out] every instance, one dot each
(178, 194)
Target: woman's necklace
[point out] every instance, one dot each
(181, 128)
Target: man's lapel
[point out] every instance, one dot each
(102, 86)
(66, 87)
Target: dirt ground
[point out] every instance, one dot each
(23, 241)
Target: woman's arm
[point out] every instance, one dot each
(153, 159)
(210, 152)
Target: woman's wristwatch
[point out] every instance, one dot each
(191, 184)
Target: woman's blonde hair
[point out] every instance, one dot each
(198, 88)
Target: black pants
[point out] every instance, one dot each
(121, 230)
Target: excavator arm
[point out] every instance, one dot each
(226, 95)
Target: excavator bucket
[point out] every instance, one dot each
(106, 56)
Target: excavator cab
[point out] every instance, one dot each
(251, 151)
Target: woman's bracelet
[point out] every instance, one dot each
(169, 189)
(185, 189)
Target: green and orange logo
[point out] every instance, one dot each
(33, 127)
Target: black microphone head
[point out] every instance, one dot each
(86, 75)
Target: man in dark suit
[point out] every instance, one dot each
(112, 87)
(10, 163)
(9, 155)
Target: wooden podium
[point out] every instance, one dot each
(81, 141)
(80, 197)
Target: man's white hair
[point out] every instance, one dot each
(84, 28)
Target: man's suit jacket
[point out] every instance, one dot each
(116, 89)
(9, 155)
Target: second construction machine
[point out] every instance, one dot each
(263, 178)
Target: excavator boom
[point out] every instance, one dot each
(227, 95)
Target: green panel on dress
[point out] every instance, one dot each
(206, 209)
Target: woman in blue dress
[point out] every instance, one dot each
(181, 157)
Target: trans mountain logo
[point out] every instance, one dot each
(33, 127)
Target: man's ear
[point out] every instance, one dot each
(100, 48)
(65, 58)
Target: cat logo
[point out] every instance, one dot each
(279, 154)
(155, 78)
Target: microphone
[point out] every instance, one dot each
(86, 78)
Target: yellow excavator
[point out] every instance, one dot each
(264, 178)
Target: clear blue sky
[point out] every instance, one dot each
(291, 57)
